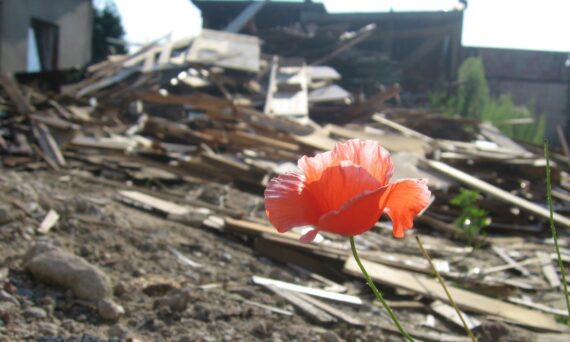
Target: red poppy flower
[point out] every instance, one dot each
(344, 191)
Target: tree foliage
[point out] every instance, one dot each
(106, 24)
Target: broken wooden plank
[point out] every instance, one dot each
(505, 256)
(13, 90)
(507, 266)
(339, 297)
(311, 311)
(376, 102)
(227, 50)
(449, 313)
(256, 140)
(400, 128)
(54, 122)
(466, 300)
(538, 306)
(331, 310)
(548, 269)
(263, 306)
(287, 93)
(392, 142)
(47, 143)
(496, 192)
(248, 227)
(154, 203)
(49, 221)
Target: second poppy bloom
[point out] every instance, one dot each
(344, 191)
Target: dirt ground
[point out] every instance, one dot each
(165, 299)
(131, 246)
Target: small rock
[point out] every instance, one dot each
(51, 264)
(245, 292)
(118, 331)
(35, 312)
(330, 336)
(6, 297)
(110, 310)
(48, 329)
(176, 300)
(5, 213)
(259, 329)
(497, 331)
(139, 272)
(227, 256)
(119, 289)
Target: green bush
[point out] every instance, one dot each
(471, 99)
(472, 219)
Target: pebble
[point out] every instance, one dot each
(245, 292)
(176, 300)
(5, 213)
(110, 310)
(35, 312)
(6, 297)
(48, 329)
(330, 336)
(118, 331)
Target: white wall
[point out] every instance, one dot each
(73, 17)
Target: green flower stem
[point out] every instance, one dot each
(377, 293)
(553, 228)
(434, 270)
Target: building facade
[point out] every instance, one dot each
(39, 35)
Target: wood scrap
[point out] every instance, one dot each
(314, 313)
(48, 222)
(339, 297)
(449, 313)
(548, 269)
(496, 192)
(466, 300)
(505, 256)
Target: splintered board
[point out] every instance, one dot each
(466, 300)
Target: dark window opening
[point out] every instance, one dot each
(44, 45)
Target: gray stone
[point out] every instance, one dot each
(5, 215)
(176, 300)
(330, 336)
(497, 331)
(110, 310)
(118, 331)
(35, 312)
(53, 265)
(6, 297)
(48, 329)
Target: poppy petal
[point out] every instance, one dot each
(368, 154)
(309, 236)
(339, 184)
(356, 216)
(313, 167)
(405, 199)
(288, 204)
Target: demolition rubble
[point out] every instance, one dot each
(132, 208)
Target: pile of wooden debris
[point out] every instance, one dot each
(192, 130)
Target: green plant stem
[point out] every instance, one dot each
(434, 270)
(553, 228)
(377, 293)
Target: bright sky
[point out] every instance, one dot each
(515, 24)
